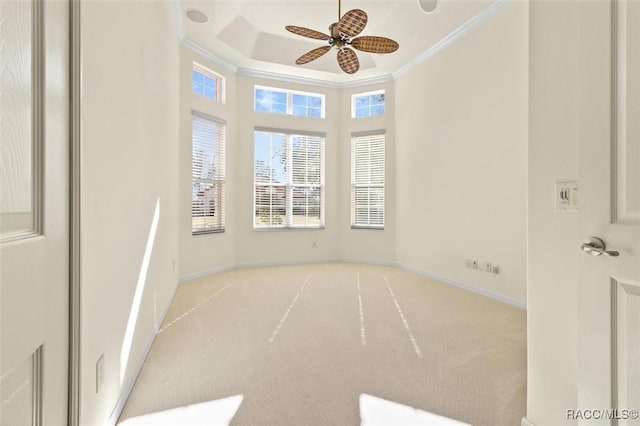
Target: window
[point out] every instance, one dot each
(281, 101)
(206, 83)
(367, 104)
(367, 180)
(288, 180)
(207, 172)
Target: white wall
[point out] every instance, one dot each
(456, 164)
(129, 133)
(458, 150)
(291, 245)
(367, 244)
(553, 237)
(461, 156)
(240, 244)
(206, 252)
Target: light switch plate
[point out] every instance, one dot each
(566, 196)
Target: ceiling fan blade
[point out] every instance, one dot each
(312, 55)
(306, 32)
(374, 44)
(348, 60)
(353, 22)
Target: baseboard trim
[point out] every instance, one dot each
(206, 273)
(468, 287)
(367, 261)
(526, 422)
(128, 386)
(284, 262)
(253, 265)
(489, 294)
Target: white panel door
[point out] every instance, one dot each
(34, 141)
(609, 179)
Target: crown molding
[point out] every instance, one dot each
(452, 36)
(291, 78)
(176, 7)
(317, 82)
(186, 41)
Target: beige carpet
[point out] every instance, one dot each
(332, 344)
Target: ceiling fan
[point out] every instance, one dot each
(341, 38)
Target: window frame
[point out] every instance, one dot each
(355, 96)
(219, 93)
(289, 184)
(219, 177)
(356, 137)
(289, 103)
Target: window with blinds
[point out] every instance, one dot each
(208, 175)
(288, 180)
(367, 180)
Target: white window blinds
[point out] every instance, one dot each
(288, 180)
(367, 180)
(208, 174)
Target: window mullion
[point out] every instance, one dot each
(289, 194)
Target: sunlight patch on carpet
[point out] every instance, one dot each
(218, 412)
(376, 411)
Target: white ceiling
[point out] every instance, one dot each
(250, 34)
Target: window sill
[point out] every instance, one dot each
(208, 231)
(288, 228)
(374, 228)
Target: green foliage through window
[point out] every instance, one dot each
(288, 180)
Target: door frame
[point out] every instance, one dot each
(74, 213)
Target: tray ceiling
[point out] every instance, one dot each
(250, 34)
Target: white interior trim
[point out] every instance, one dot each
(128, 384)
(526, 422)
(291, 78)
(464, 286)
(283, 262)
(176, 6)
(208, 54)
(452, 36)
(205, 273)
